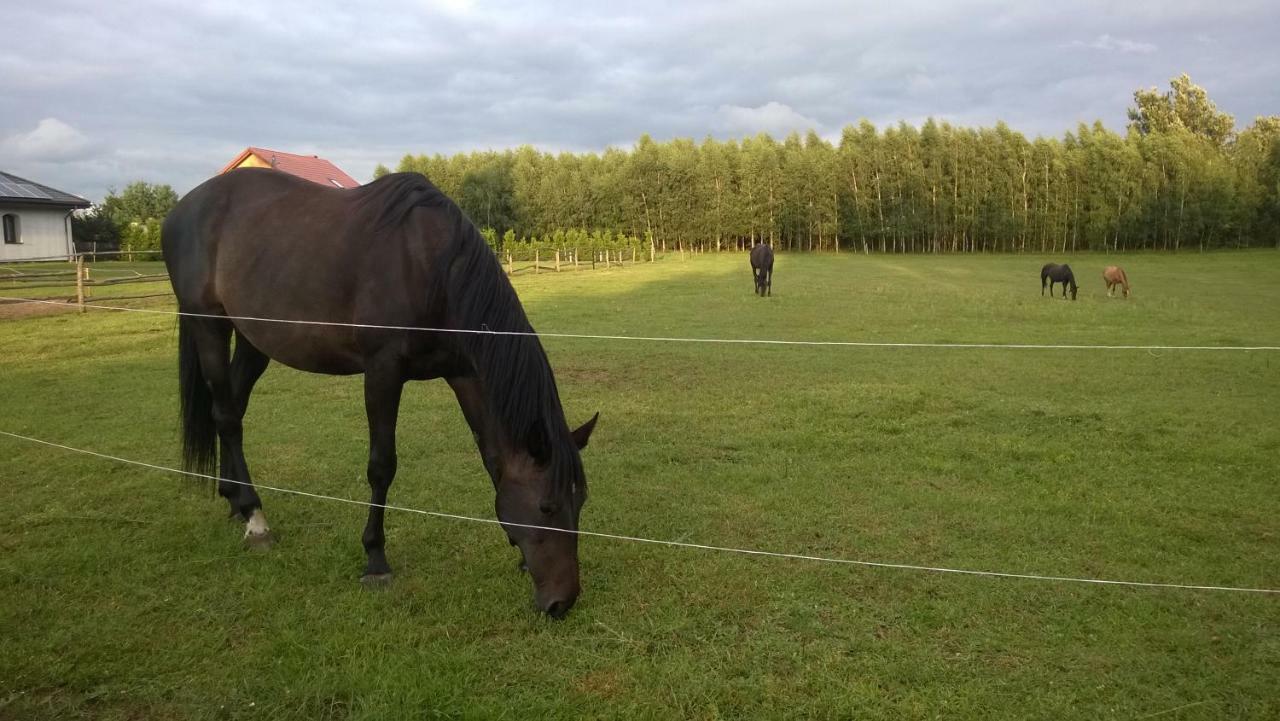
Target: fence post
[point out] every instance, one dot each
(80, 282)
(557, 260)
(575, 258)
(510, 266)
(536, 254)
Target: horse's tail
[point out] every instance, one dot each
(199, 434)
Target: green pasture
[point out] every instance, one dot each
(126, 594)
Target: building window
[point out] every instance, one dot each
(12, 229)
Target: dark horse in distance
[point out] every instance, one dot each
(257, 243)
(762, 269)
(1053, 273)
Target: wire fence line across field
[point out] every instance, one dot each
(656, 339)
(661, 542)
(70, 258)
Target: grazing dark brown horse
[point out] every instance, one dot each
(1053, 273)
(1114, 275)
(762, 268)
(257, 243)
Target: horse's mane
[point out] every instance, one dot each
(389, 200)
(519, 387)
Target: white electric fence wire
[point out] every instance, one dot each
(666, 339)
(637, 539)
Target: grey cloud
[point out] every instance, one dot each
(1113, 44)
(170, 93)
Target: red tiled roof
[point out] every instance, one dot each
(310, 167)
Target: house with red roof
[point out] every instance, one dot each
(309, 167)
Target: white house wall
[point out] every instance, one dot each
(44, 232)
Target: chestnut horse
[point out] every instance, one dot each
(1113, 276)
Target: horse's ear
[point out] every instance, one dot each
(583, 434)
(537, 444)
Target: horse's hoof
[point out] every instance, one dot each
(259, 541)
(376, 580)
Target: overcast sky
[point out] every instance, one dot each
(96, 94)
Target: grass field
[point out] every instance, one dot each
(124, 594)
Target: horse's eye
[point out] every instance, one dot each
(548, 508)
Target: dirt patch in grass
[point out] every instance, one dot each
(15, 309)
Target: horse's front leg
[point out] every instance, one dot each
(382, 389)
(471, 401)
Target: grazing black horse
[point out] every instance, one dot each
(257, 243)
(1053, 273)
(762, 269)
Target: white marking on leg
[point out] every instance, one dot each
(257, 525)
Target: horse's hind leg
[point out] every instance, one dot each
(382, 390)
(247, 365)
(213, 345)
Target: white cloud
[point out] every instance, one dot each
(773, 117)
(51, 141)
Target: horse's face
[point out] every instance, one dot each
(530, 494)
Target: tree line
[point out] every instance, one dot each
(129, 219)
(1179, 177)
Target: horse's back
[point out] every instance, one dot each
(258, 243)
(762, 257)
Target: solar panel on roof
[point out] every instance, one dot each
(34, 191)
(8, 189)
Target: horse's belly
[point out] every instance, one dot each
(315, 349)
